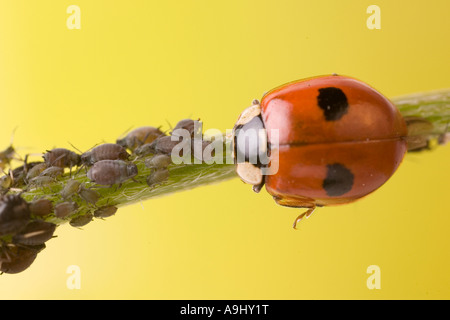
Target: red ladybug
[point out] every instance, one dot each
(338, 140)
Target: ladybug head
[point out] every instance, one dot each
(250, 146)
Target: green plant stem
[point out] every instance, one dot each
(181, 177)
(432, 106)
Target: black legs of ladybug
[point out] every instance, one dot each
(305, 214)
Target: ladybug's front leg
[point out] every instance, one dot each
(306, 214)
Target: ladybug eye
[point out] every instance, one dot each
(250, 142)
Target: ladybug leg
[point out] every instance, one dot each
(257, 188)
(306, 214)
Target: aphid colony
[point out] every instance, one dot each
(24, 226)
(23, 233)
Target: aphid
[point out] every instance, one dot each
(165, 145)
(157, 177)
(36, 170)
(418, 133)
(105, 211)
(338, 140)
(6, 182)
(62, 158)
(144, 150)
(81, 221)
(17, 258)
(35, 233)
(203, 155)
(53, 172)
(6, 156)
(89, 195)
(158, 161)
(189, 125)
(41, 207)
(140, 136)
(422, 134)
(111, 172)
(41, 181)
(106, 151)
(14, 214)
(19, 174)
(71, 188)
(64, 209)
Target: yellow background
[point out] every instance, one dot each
(139, 63)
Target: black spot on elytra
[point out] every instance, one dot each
(333, 102)
(339, 180)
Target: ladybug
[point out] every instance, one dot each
(319, 141)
